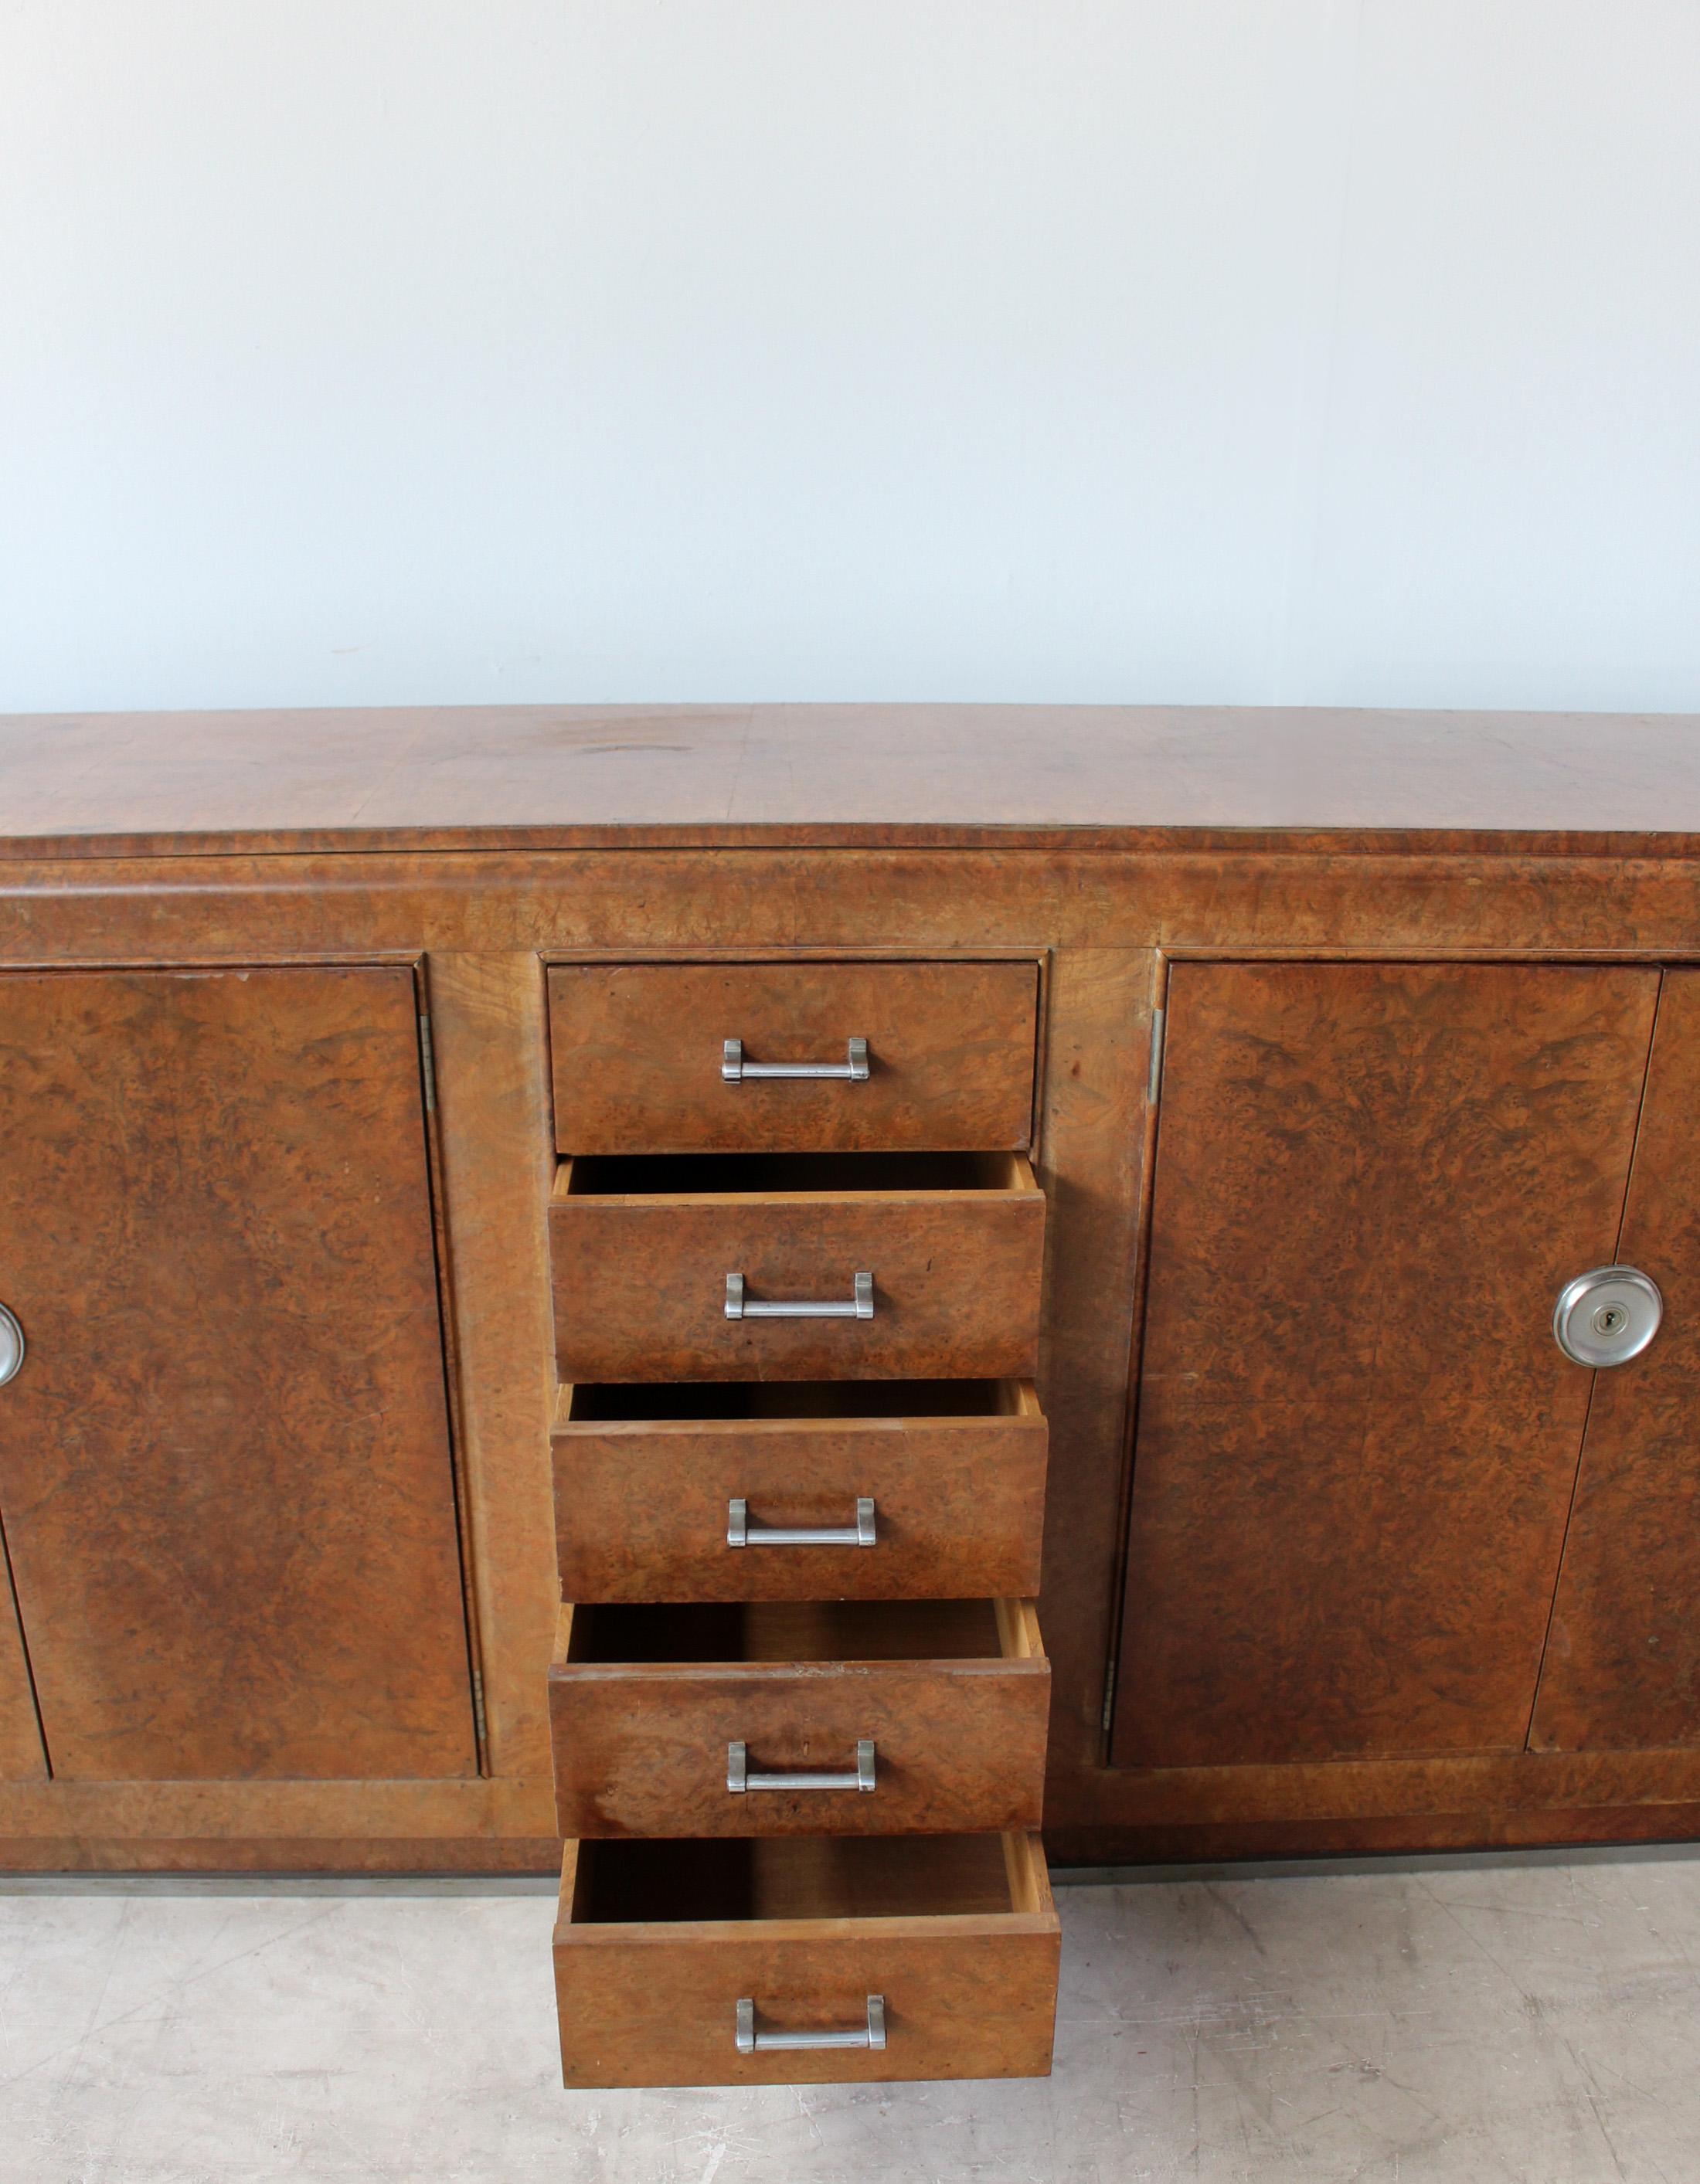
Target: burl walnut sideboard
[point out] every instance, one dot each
(1121, 1283)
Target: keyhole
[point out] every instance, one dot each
(1610, 1319)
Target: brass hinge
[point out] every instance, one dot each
(1154, 1086)
(478, 1721)
(1109, 1696)
(427, 1062)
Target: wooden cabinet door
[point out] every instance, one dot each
(1357, 1439)
(21, 1759)
(1623, 1658)
(225, 1472)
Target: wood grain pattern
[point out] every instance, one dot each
(1356, 1437)
(448, 776)
(1506, 1795)
(655, 1942)
(225, 1469)
(1544, 1827)
(456, 1825)
(638, 1047)
(447, 1823)
(641, 1502)
(1093, 1150)
(367, 1850)
(1521, 899)
(1622, 1667)
(489, 1042)
(22, 1757)
(644, 1701)
(640, 1278)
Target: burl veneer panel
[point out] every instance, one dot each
(640, 1747)
(641, 1507)
(1356, 1437)
(225, 1468)
(640, 1283)
(1623, 1658)
(638, 1048)
(967, 1961)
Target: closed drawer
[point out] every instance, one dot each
(646, 1253)
(939, 1705)
(683, 1963)
(640, 1060)
(940, 1485)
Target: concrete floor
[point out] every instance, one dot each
(1452, 2023)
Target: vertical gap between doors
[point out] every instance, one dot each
(451, 1372)
(17, 1608)
(1115, 1693)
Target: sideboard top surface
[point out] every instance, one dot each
(559, 776)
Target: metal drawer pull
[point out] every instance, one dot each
(738, 1778)
(1607, 1316)
(852, 1071)
(858, 1306)
(12, 1348)
(752, 2043)
(741, 1532)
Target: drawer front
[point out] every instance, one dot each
(639, 1061)
(640, 1283)
(652, 2003)
(643, 1507)
(643, 1749)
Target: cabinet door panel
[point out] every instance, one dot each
(1358, 1439)
(1623, 1659)
(225, 1469)
(20, 1740)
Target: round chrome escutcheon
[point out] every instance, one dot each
(1608, 1317)
(11, 1346)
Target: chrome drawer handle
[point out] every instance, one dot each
(752, 2043)
(858, 1306)
(11, 1346)
(739, 1779)
(852, 1071)
(741, 1532)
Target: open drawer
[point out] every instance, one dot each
(781, 1962)
(797, 1267)
(789, 1490)
(782, 1717)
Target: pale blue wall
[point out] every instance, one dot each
(1262, 350)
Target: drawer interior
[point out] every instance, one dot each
(802, 1877)
(765, 1175)
(633, 1634)
(667, 1402)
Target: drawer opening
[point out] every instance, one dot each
(632, 1633)
(662, 1879)
(668, 1401)
(767, 1175)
